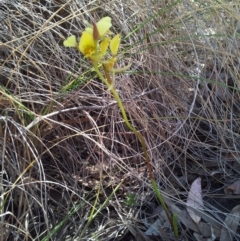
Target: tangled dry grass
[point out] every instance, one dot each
(61, 142)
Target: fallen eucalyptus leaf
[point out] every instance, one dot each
(182, 215)
(234, 188)
(207, 230)
(231, 223)
(199, 237)
(208, 218)
(195, 200)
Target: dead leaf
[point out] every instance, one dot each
(231, 223)
(195, 200)
(199, 237)
(207, 218)
(182, 215)
(184, 218)
(234, 188)
(154, 228)
(207, 230)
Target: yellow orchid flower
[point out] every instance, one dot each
(114, 45)
(86, 44)
(103, 26)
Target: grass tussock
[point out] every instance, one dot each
(64, 147)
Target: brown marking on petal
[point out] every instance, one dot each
(95, 32)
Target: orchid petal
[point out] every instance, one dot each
(104, 46)
(104, 25)
(114, 44)
(70, 41)
(86, 44)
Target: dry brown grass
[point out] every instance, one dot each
(182, 93)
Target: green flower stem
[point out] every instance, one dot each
(161, 200)
(141, 139)
(138, 134)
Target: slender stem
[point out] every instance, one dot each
(138, 134)
(160, 198)
(108, 83)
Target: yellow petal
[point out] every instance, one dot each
(114, 44)
(70, 41)
(86, 44)
(105, 19)
(89, 30)
(104, 25)
(104, 46)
